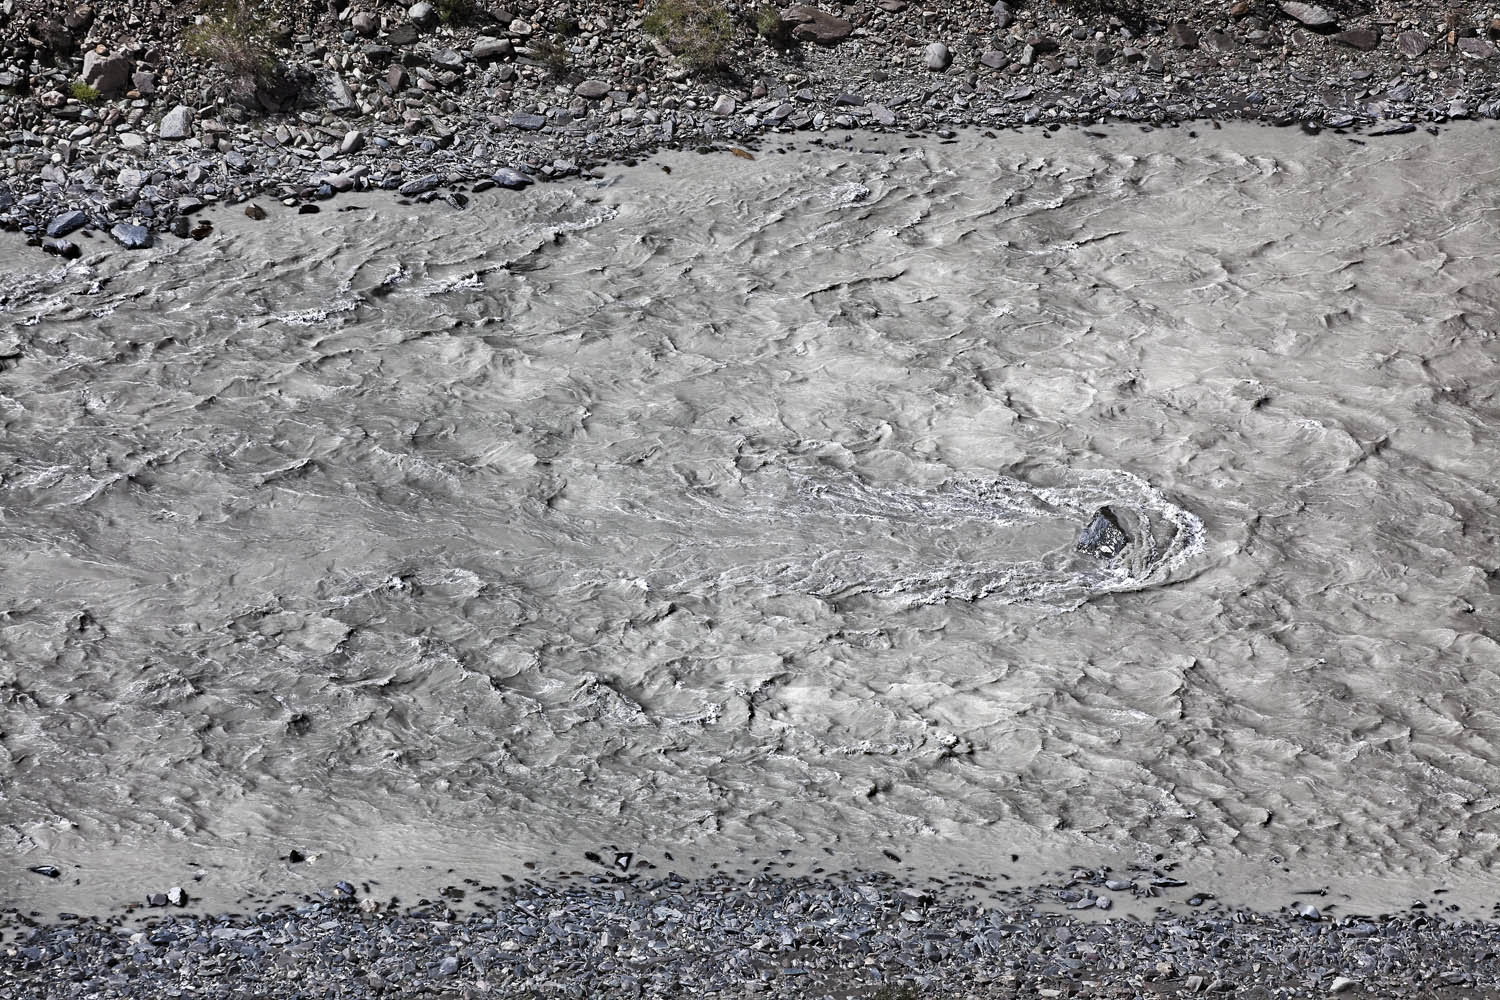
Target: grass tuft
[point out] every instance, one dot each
(699, 31)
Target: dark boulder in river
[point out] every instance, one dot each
(1103, 538)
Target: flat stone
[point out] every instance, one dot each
(487, 48)
(1476, 48)
(130, 178)
(1363, 39)
(593, 90)
(134, 238)
(66, 223)
(526, 121)
(994, 59)
(1309, 14)
(340, 97)
(401, 34)
(176, 124)
(1412, 43)
(814, 25)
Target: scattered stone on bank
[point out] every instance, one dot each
(67, 222)
(1103, 537)
(937, 57)
(176, 124)
(131, 237)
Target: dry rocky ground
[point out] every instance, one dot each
(126, 116)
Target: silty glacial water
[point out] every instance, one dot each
(732, 510)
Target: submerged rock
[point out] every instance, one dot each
(1103, 538)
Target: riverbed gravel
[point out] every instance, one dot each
(137, 114)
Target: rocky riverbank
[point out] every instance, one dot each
(126, 118)
(633, 933)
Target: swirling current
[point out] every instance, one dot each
(729, 507)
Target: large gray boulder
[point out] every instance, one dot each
(108, 73)
(176, 124)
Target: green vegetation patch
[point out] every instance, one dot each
(699, 31)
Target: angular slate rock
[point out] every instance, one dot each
(108, 74)
(420, 185)
(1104, 538)
(1002, 14)
(1363, 39)
(131, 238)
(1412, 43)
(1183, 35)
(176, 124)
(67, 223)
(527, 121)
(814, 25)
(492, 48)
(1309, 14)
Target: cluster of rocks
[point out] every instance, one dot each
(616, 934)
(136, 114)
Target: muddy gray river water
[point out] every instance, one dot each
(731, 510)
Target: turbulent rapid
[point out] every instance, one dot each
(732, 506)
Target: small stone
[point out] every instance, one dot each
(882, 115)
(1341, 984)
(365, 24)
(134, 238)
(156, 899)
(448, 966)
(592, 90)
(1309, 14)
(354, 141)
(396, 78)
(1103, 902)
(994, 59)
(724, 105)
(176, 124)
(131, 179)
(255, 212)
(344, 887)
(1194, 984)
(47, 871)
(1412, 43)
(1306, 911)
(177, 896)
(144, 82)
(1363, 39)
(1002, 15)
(937, 57)
(67, 250)
(527, 122)
(62, 225)
(423, 15)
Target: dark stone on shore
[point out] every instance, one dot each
(507, 177)
(1309, 14)
(1103, 538)
(815, 25)
(344, 887)
(156, 899)
(47, 871)
(1364, 39)
(527, 121)
(1399, 128)
(66, 223)
(131, 237)
(68, 250)
(1476, 48)
(256, 213)
(420, 185)
(1412, 43)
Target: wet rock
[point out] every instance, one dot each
(108, 73)
(592, 90)
(1309, 14)
(1306, 911)
(255, 212)
(133, 237)
(1183, 35)
(937, 57)
(177, 896)
(68, 250)
(1363, 39)
(424, 15)
(346, 888)
(176, 124)
(1103, 538)
(420, 185)
(46, 871)
(815, 25)
(66, 223)
(156, 899)
(507, 177)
